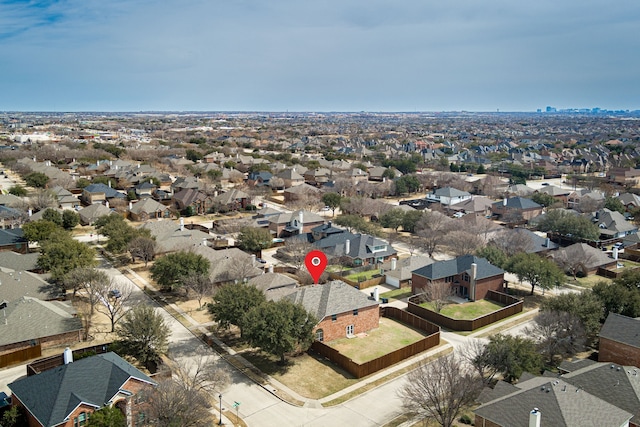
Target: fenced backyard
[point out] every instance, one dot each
(360, 370)
(512, 305)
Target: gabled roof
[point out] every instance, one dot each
(147, 205)
(302, 189)
(29, 318)
(360, 245)
(53, 394)
(405, 266)
(102, 188)
(94, 211)
(332, 298)
(224, 263)
(622, 329)
(612, 221)
(290, 174)
(552, 190)
(581, 251)
(19, 262)
(15, 284)
(450, 192)
(518, 203)
(170, 237)
(461, 264)
(475, 204)
(190, 195)
(286, 218)
(11, 236)
(231, 196)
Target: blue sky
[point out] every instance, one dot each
(326, 55)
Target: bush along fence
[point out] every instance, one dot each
(362, 370)
(513, 306)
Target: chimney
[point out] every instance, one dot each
(68, 356)
(534, 418)
(614, 252)
(106, 203)
(30, 212)
(329, 224)
(97, 162)
(271, 269)
(130, 205)
(181, 224)
(204, 241)
(253, 260)
(547, 242)
(300, 215)
(504, 202)
(109, 182)
(376, 295)
(394, 264)
(347, 247)
(138, 166)
(472, 285)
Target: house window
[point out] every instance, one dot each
(355, 312)
(465, 277)
(334, 317)
(82, 419)
(349, 330)
(448, 279)
(320, 335)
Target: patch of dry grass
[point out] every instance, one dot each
(389, 336)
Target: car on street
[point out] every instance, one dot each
(115, 293)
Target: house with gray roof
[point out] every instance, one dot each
(470, 276)
(67, 395)
(620, 340)
(274, 285)
(99, 193)
(360, 249)
(230, 265)
(515, 209)
(294, 223)
(543, 401)
(172, 237)
(91, 213)
(612, 224)
(398, 272)
(148, 208)
(342, 311)
(66, 199)
(448, 196)
(582, 258)
(15, 261)
(29, 321)
(13, 240)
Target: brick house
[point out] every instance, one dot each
(342, 310)
(67, 395)
(470, 277)
(515, 209)
(620, 340)
(295, 223)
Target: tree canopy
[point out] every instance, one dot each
(119, 232)
(568, 224)
(254, 239)
(36, 180)
(143, 334)
(536, 270)
(171, 270)
(60, 253)
(231, 302)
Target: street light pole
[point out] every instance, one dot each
(220, 396)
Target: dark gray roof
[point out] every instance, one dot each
(442, 269)
(623, 329)
(518, 203)
(332, 298)
(11, 237)
(102, 188)
(360, 246)
(52, 395)
(19, 262)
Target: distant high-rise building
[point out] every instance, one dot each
(550, 109)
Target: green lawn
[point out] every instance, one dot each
(468, 310)
(397, 293)
(389, 336)
(589, 281)
(362, 276)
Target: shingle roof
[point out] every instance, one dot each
(450, 192)
(29, 318)
(53, 394)
(581, 251)
(147, 205)
(518, 203)
(622, 329)
(360, 245)
(19, 262)
(332, 298)
(559, 405)
(442, 269)
(102, 188)
(11, 237)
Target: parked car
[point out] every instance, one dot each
(115, 293)
(261, 261)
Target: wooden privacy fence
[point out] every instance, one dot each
(513, 306)
(46, 363)
(20, 356)
(360, 370)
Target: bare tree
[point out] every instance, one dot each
(200, 285)
(588, 204)
(573, 263)
(557, 334)
(513, 241)
(295, 251)
(440, 390)
(113, 299)
(438, 294)
(462, 242)
(475, 353)
(43, 199)
(142, 247)
(432, 228)
(89, 280)
(203, 373)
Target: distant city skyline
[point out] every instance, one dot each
(376, 56)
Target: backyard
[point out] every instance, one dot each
(389, 336)
(468, 310)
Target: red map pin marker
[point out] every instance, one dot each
(316, 262)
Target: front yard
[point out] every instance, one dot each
(468, 310)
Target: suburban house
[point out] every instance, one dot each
(478, 206)
(612, 224)
(515, 209)
(19, 262)
(549, 401)
(624, 176)
(585, 259)
(630, 200)
(300, 192)
(11, 217)
(620, 340)
(448, 196)
(469, 276)
(560, 194)
(342, 311)
(172, 237)
(229, 265)
(148, 208)
(67, 395)
(290, 177)
(231, 200)
(91, 213)
(359, 249)
(144, 189)
(398, 272)
(29, 322)
(291, 224)
(324, 230)
(99, 193)
(259, 178)
(13, 240)
(274, 285)
(66, 199)
(191, 198)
